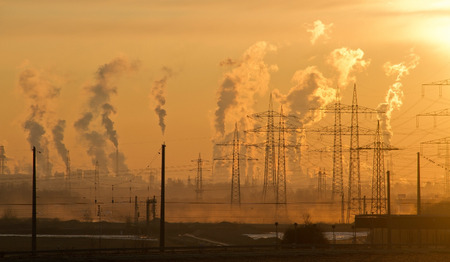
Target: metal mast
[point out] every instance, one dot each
(441, 141)
(378, 178)
(2, 160)
(337, 184)
(68, 171)
(378, 204)
(281, 171)
(235, 173)
(199, 178)
(354, 174)
(269, 156)
(440, 84)
(96, 180)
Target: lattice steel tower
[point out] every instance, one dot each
(235, 174)
(2, 160)
(270, 180)
(337, 184)
(281, 170)
(446, 142)
(354, 204)
(199, 178)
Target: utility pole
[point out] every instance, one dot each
(162, 219)
(33, 212)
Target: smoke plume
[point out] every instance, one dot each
(58, 137)
(239, 87)
(40, 93)
(158, 91)
(394, 96)
(318, 29)
(346, 61)
(95, 126)
(311, 90)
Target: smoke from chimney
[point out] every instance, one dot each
(100, 109)
(158, 94)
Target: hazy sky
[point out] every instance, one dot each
(184, 51)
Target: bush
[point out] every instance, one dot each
(309, 234)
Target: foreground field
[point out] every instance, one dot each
(269, 256)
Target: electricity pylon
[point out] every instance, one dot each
(274, 176)
(440, 84)
(442, 141)
(235, 171)
(3, 159)
(199, 178)
(434, 114)
(378, 204)
(354, 176)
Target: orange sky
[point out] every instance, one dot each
(66, 42)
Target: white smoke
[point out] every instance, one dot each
(346, 61)
(318, 29)
(394, 96)
(248, 79)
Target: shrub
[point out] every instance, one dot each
(309, 234)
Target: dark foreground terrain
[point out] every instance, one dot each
(247, 256)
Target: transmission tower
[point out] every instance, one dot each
(354, 170)
(378, 204)
(199, 178)
(274, 187)
(442, 141)
(440, 84)
(68, 172)
(235, 171)
(281, 170)
(321, 184)
(443, 112)
(96, 181)
(337, 178)
(2, 160)
(269, 156)
(354, 181)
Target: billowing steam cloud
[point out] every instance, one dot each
(345, 61)
(99, 110)
(311, 90)
(58, 137)
(40, 93)
(394, 95)
(239, 87)
(318, 29)
(158, 91)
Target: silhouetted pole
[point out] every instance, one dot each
(418, 183)
(33, 212)
(388, 174)
(161, 226)
(419, 237)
